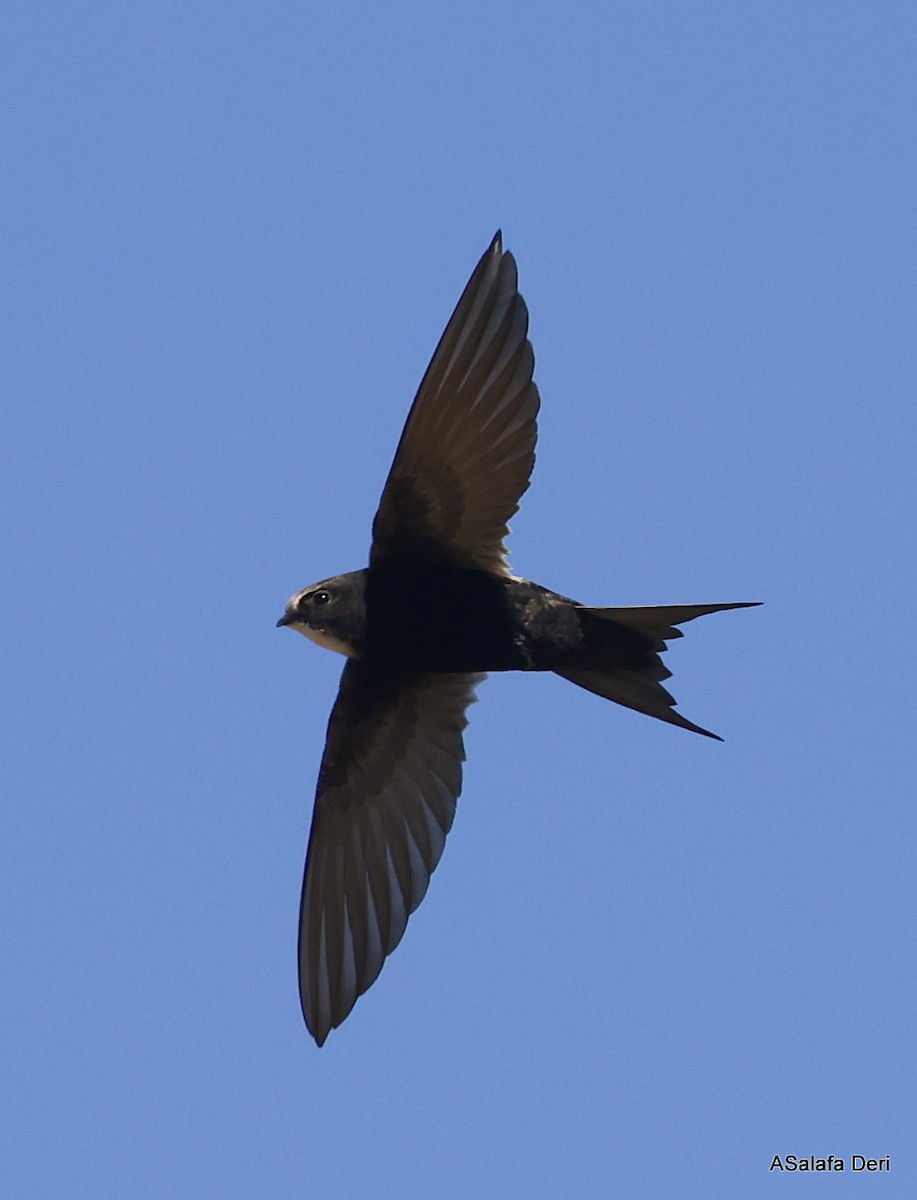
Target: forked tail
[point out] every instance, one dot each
(621, 656)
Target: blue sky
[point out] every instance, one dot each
(648, 962)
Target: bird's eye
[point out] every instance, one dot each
(320, 598)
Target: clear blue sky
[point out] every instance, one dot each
(648, 962)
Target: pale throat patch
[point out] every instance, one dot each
(326, 640)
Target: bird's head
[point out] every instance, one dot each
(331, 613)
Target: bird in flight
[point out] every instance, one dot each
(435, 610)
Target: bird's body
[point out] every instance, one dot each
(435, 610)
(405, 617)
(426, 617)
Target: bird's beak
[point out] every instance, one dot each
(286, 619)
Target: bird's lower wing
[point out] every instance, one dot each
(386, 797)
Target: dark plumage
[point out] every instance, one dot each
(435, 610)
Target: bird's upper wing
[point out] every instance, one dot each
(468, 446)
(387, 790)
